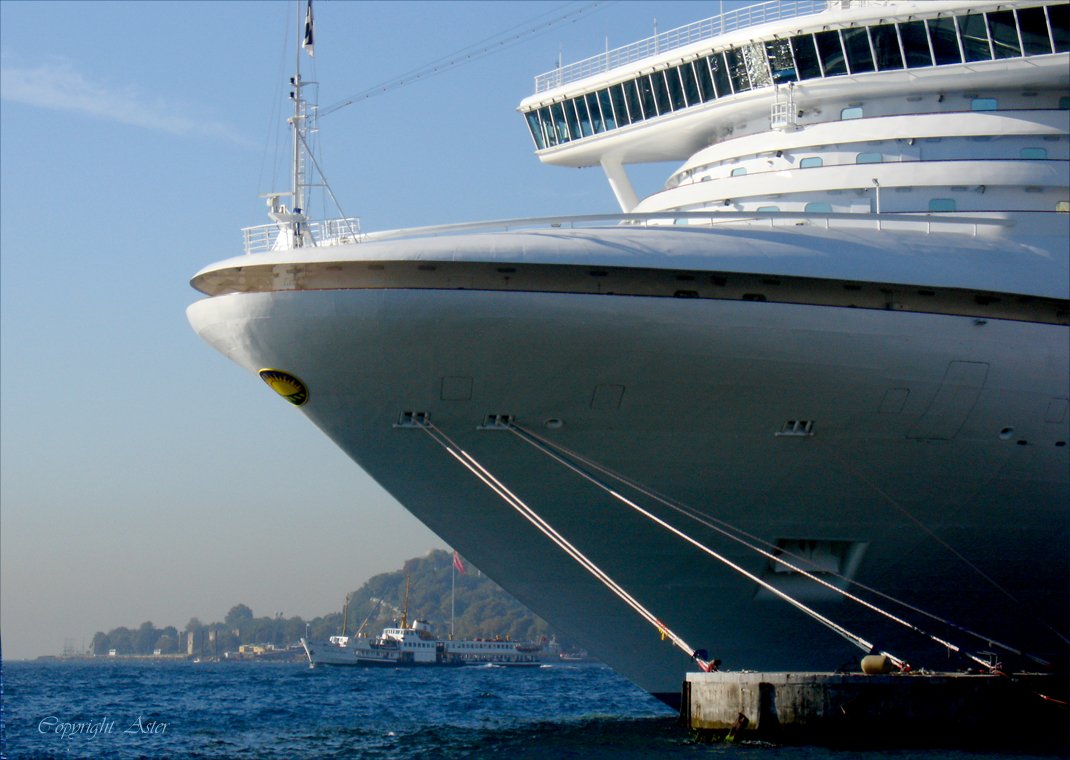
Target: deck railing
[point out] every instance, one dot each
(273, 237)
(729, 21)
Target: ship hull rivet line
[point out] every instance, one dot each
(469, 462)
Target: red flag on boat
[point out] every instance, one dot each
(457, 564)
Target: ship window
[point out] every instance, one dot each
(757, 62)
(1059, 21)
(737, 70)
(607, 109)
(974, 37)
(687, 75)
(859, 55)
(810, 162)
(705, 81)
(831, 52)
(941, 204)
(851, 112)
(944, 41)
(584, 115)
(781, 63)
(886, 47)
(619, 107)
(596, 113)
(646, 93)
(1004, 34)
(915, 44)
(768, 209)
(1033, 153)
(631, 94)
(818, 207)
(536, 130)
(560, 127)
(547, 126)
(573, 119)
(719, 69)
(983, 104)
(676, 88)
(661, 92)
(806, 60)
(739, 171)
(869, 158)
(1034, 31)
(1064, 104)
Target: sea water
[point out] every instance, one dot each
(152, 709)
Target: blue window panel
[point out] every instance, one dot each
(831, 52)
(719, 69)
(974, 35)
(547, 125)
(945, 41)
(942, 204)
(536, 130)
(811, 162)
(557, 113)
(781, 63)
(983, 104)
(806, 56)
(818, 207)
(768, 209)
(1034, 27)
(620, 107)
(1059, 22)
(851, 112)
(646, 94)
(596, 112)
(886, 47)
(915, 44)
(737, 70)
(869, 158)
(631, 94)
(661, 92)
(1033, 153)
(586, 128)
(705, 80)
(605, 101)
(676, 89)
(859, 55)
(1004, 33)
(573, 119)
(687, 76)
(739, 171)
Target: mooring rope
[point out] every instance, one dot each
(495, 485)
(729, 531)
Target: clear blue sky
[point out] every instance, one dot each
(143, 476)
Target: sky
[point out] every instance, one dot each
(143, 477)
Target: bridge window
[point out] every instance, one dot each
(558, 114)
(781, 64)
(983, 104)
(869, 158)
(631, 94)
(915, 44)
(580, 105)
(886, 47)
(1059, 22)
(705, 81)
(573, 119)
(719, 69)
(851, 112)
(687, 76)
(739, 171)
(1004, 34)
(546, 123)
(831, 52)
(1033, 153)
(1034, 29)
(737, 70)
(620, 108)
(676, 88)
(607, 109)
(806, 61)
(661, 92)
(859, 54)
(974, 36)
(944, 41)
(939, 205)
(596, 112)
(536, 130)
(646, 95)
(810, 162)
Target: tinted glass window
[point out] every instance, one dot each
(818, 207)
(858, 53)
(868, 158)
(1059, 21)
(1004, 34)
(536, 130)
(739, 171)
(676, 89)
(806, 57)
(705, 81)
(619, 106)
(974, 35)
(851, 112)
(737, 70)
(828, 47)
(646, 94)
(811, 162)
(1033, 153)
(631, 94)
(781, 64)
(915, 44)
(687, 76)
(661, 92)
(596, 112)
(945, 42)
(719, 69)
(573, 119)
(983, 104)
(585, 119)
(558, 114)
(1034, 30)
(547, 126)
(886, 47)
(607, 109)
(941, 204)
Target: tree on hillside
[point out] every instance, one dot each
(238, 615)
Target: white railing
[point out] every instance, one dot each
(274, 237)
(730, 21)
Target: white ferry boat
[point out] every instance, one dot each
(416, 645)
(808, 400)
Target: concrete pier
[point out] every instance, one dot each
(920, 710)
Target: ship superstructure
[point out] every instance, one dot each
(830, 355)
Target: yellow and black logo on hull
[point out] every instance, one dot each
(286, 385)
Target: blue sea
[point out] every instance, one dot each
(145, 709)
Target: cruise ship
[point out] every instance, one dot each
(807, 401)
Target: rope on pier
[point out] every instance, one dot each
(495, 485)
